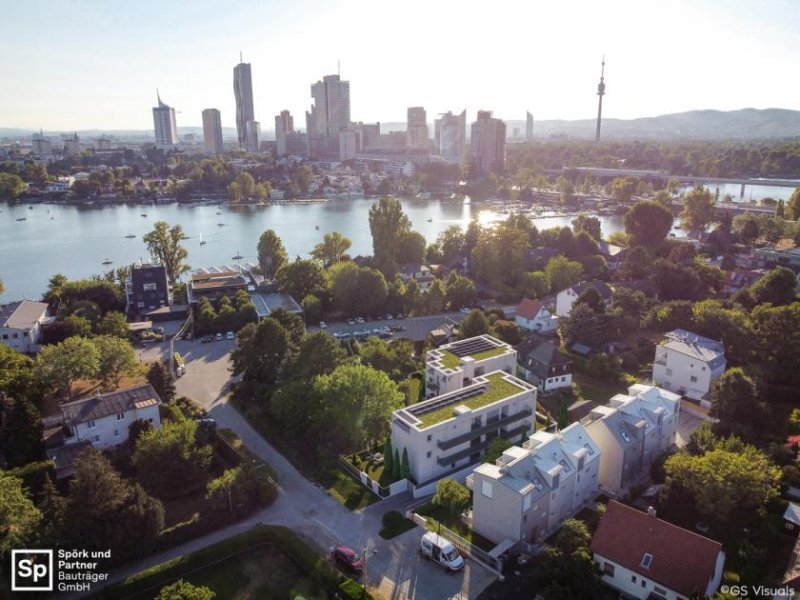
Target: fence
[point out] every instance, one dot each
(383, 492)
(465, 547)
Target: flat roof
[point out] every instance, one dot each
(476, 348)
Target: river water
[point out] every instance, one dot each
(76, 240)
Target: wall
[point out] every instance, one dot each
(106, 427)
(622, 580)
(682, 368)
(611, 456)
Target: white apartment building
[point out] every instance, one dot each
(21, 324)
(632, 431)
(688, 364)
(448, 433)
(455, 365)
(532, 489)
(103, 419)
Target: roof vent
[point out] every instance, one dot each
(651, 511)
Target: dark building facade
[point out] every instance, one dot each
(147, 290)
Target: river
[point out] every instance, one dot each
(76, 240)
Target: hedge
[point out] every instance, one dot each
(33, 475)
(352, 590)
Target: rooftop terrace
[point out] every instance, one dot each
(497, 386)
(477, 348)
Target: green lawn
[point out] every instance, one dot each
(349, 492)
(597, 390)
(451, 361)
(414, 387)
(454, 523)
(394, 524)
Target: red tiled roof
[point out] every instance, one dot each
(528, 309)
(683, 561)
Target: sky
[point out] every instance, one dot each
(96, 64)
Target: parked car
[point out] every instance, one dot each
(360, 320)
(389, 317)
(341, 335)
(465, 310)
(205, 339)
(218, 337)
(348, 559)
(400, 316)
(230, 335)
(436, 548)
(323, 325)
(351, 322)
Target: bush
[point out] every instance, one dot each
(605, 367)
(394, 524)
(352, 590)
(34, 474)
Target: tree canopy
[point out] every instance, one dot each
(647, 223)
(164, 245)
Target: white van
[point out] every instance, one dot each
(436, 548)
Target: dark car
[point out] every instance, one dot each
(348, 558)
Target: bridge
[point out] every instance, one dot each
(661, 176)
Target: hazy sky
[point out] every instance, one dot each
(84, 64)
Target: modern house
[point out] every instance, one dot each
(688, 364)
(214, 284)
(645, 557)
(542, 363)
(21, 324)
(534, 317)
(566, 298)
(532, 489)
(447, 434)
(453, 366)
(146, 290)
(103, 419)
(632, 431)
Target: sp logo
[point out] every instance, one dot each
(31, 570)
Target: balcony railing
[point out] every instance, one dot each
(493, 426)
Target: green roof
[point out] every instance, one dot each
(451, 361)
(496, 388)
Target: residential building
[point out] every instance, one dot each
(532, 489)
(212, 130)
(349, 144)
(284, 124)
(104, 419)
(41, 146)
(296, 143)
(453, 366)
(450, 136)
(632, 431)
(417, 129)
(645, 557)
(213, 284)
(542, 363)
(528, 126)
(534, 317)
(488, 144)
(420, 273)
(688, 364)
(166, 126)
(21, 324)
(566, 298)
(445, 435)
(246, 125)
(329, 115)
(146, 290)
(72, 145)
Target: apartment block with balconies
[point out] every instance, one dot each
(455, 365)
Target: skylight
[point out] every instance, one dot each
(647, 560)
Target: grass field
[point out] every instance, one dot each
(349, 492)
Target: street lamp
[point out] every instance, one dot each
(367, 552)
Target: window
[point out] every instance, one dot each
(91, 424)
(608, 569)
(659, 590)
(647, 560)
(121, 416)
(429, 437)
(633, 578)
(149, 287)
(644, 583)
(669, 372)
(15, 336)
(96, 438)
(428, 455)
(116, 433)
(486, 489)
(693, 379)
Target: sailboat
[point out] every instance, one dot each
(202, 241)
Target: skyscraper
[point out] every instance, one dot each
(488, 143)
(417, 129)
(601, 91)
(247, 128)
(212, 130)
(450, 136)
(284, 123)
(329, 115)
(165, 125)
(528, 126)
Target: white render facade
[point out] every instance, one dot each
(21, 325)
(448, 433)
(688, 364)
(532, 489)
(634, 585)
(455, 365)
(631, 432)
(542, 322)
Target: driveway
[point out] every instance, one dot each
(687, 423)
(396, 569)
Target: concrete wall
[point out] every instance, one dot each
(21, 340)
(109, 431)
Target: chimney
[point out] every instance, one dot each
(651, 511)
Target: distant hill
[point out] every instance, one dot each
(745, 124)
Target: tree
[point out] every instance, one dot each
(405, 469)
(534, 284)
(234, 192)
(333, 248)
(698, 209)
(496, 449)
(319, 354)
(357, 289)
(460, 291)
(499, 256)
(776, 287)
(566, 569)
(730, 325)
(590, 225)
(396, 358)
(411, 248)
(169, 460)
(777, 331)
(452, 243)
(164, 245)
(734, 401)
(239, 490)
(748, 232)
(647, 223)
(183, 590)
(160, 378)
(116, 358)
(591, 297)
(388, 225)
(60, 365)
(113, 323)
(586, 326)
(18, 515)
(271, 254)
(562, 272)
(11, 186)
(53, 507)
(434, 298)
(508, 331)
(474, 324)
(262, 352)
(301, 278)
(396, 465)
(388, 456)
(20, 430)
(451, 496)
(793, 205)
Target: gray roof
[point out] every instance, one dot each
(697, 346)
(64, 457)
(103, 405)
(22, 314)
(792, 513)
(601, 286)
(539, 356)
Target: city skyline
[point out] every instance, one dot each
(743, 60)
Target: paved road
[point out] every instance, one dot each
(395, 570)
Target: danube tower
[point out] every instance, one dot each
(601, 91)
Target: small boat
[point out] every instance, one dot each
(238, 257)
(430, 220)
(22, 219)
(202, 241)
(316, 227)
(130, 236)
(220, 224)
(143, 214)
(219, 212)
(30, 208)
(107, 262)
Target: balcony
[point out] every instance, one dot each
(493, 426)
(474, 449)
